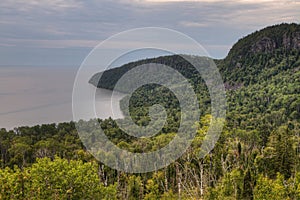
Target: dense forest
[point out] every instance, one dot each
(256, 157)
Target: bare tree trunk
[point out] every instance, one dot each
(178, 180)
(101, 174)
(201, 178)
(166, 180)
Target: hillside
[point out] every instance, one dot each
(256, 157)
(264, 49)
(260, 73)
(275, 47)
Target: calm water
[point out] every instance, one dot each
(35, 95)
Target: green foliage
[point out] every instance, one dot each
(57, 179)
(256, 157)
(134, 188)
(270, 189)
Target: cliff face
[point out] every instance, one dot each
(291, 41)
(265, 49)
(265, 45)
(268, 45)
(268, 51)
(283, 37)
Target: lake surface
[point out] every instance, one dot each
(38, 95)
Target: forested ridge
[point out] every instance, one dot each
(256, 157)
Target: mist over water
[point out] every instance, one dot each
(38, 95)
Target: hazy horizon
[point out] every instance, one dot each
(35, 95)
(44, 42)
(62, 33)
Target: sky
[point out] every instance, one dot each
(46, 41)
(63, 32)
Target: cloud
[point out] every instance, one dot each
(51, 43)
(77, 23)
(192, 24)
(206, 1)
(25, 5)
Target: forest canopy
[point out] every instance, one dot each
(256, 157)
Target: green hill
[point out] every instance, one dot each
(264, 49)
(261, 75)
(275, 47)
(256, 157)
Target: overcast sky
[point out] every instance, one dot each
(62, 32)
